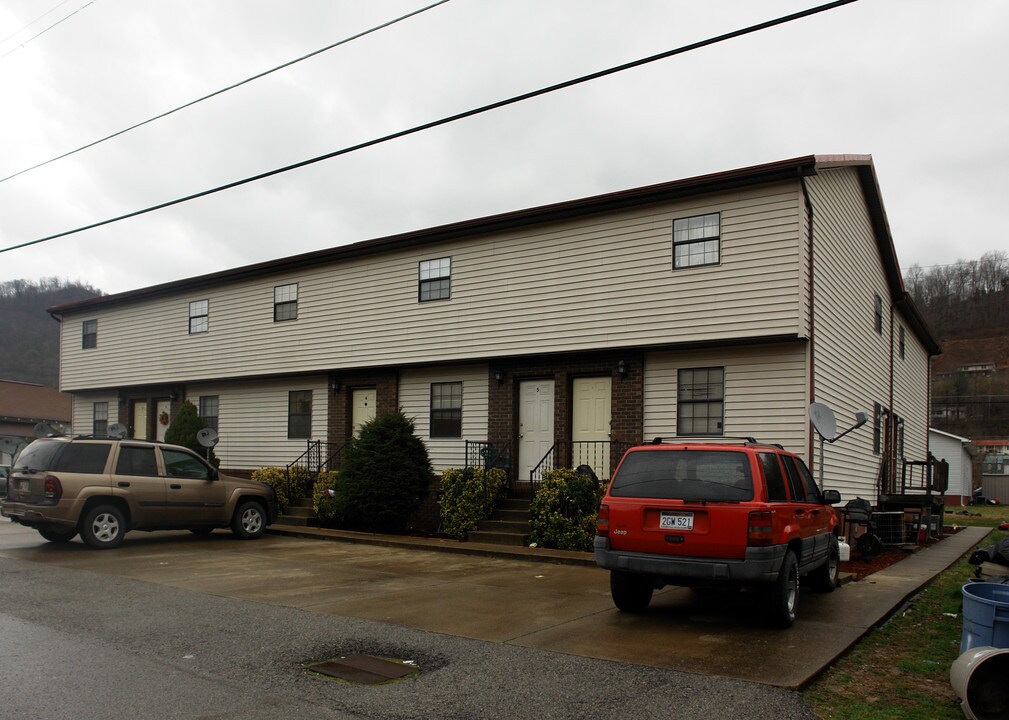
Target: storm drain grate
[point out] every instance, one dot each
(364, 669)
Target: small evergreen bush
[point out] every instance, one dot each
(324, 498)
(384, 477)
(183, 428)
(564, 511)
(468, 496)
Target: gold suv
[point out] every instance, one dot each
(105, 487)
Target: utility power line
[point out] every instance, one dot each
(453, 118)
(43, 32)
(225, 89)
(29, 24)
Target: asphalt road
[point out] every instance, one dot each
(83, 643)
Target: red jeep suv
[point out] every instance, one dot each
(710, 514)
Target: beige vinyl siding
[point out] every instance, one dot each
(619, 289)
(415, 400)
(252, 420)
(910, 391)
(949, 448)
(765, 391)
(851, 361)
(83, 411)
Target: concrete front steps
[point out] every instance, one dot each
(299, 513)
(507, 525)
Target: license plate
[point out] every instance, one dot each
(22, 486)
(676, 520)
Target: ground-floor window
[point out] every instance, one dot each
(299, 414)
(700, 401)
(100, 418)
(446, 410)
(209, 410)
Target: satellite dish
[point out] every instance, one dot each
(43, 430)
(207, 437)
(9, 445)
(117, 430)
(823, 420)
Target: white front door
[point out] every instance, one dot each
(536, 423)
(140, 420)
(363, 408)
(164, 414)
(590, 424)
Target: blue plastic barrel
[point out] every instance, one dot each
(985, 616)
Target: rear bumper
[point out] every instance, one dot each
(761, 564)
(33, 515)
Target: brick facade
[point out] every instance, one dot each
(386, 384)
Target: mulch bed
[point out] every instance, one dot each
(863, 567)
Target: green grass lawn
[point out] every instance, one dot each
(901, 669)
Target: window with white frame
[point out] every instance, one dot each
(446, 410)
(89, 334)
(696, 240)
(700, 401)
(209, 409)
(435, 277)
(100, 418)
(285, 302)
(199, 316)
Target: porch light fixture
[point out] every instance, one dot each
(173, 396)
(121, 398)
(622, 369)
(334, 386)
(499, 376)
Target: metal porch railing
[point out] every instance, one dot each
(601, 456)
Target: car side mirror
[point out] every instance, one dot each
(215, 474)
(831, 497)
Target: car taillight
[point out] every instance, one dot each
(761, 529)
(603, 521)
(52, 489)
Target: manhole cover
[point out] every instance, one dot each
(364, 669)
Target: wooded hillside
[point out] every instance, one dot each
(30, 336)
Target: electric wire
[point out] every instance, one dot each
(452, 118)
(226, 89)
(43, 32)
(29, 24)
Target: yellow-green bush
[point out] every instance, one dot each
(564, 511)
(277, 477)
(468, 496)
(326, 505)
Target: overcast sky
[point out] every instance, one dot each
(921, 85)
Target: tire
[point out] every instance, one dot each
(103, 527)
(57, 533)
(631, 592)
(783, 597)
(249, 521)
(825, 577)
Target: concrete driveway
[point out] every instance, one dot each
(556, 607)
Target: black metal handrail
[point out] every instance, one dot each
(601, 456)
(316, 458)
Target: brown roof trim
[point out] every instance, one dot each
(728, 180)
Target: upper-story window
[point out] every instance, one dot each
(700, 401)
(879, 314)
(199, 316)
(696, 240)
(89, 334)
(435, 279)
(285, 302)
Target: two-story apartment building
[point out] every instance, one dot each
(715, 305)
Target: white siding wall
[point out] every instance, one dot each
(851, 361)
(910, 392)
(591, 283)
(83, 410)
(415, 400)
(252, 420)
(765, 392)
(950, 449)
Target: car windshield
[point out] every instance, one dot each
(39, 455)
(692, 475)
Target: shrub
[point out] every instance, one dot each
(564, 511)
(183, 428)
(276, 477)
(468, 496)
(385, 475)
(324, 498)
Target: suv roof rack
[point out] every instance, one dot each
(747, 440)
